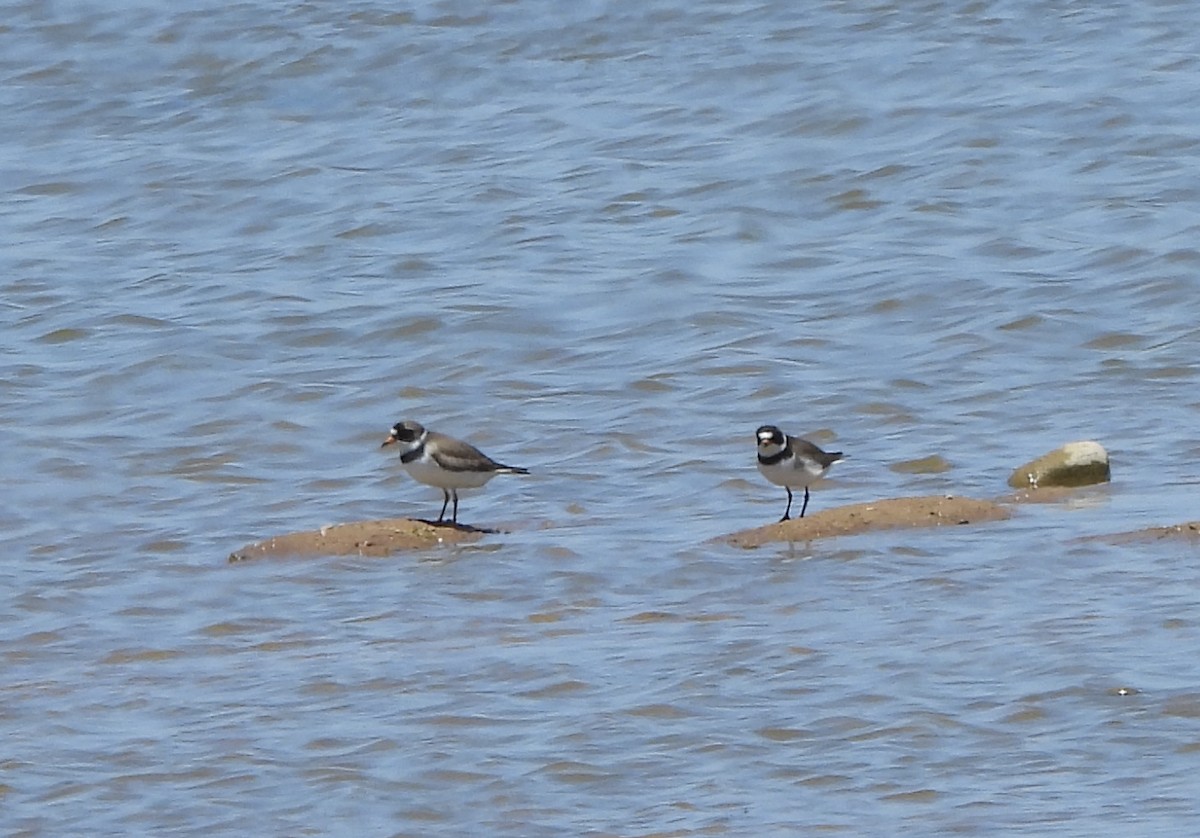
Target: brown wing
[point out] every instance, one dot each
(825, 458)
(455, 455)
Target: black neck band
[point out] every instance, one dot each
(766, 461)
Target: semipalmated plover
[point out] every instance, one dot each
(789, 461)
(445, 462)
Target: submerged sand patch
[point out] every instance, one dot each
(1189, 531)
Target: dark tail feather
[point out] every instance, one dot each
(513, 470)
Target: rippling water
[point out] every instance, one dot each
(604, 241)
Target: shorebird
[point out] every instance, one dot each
(790, 461)
(444, 462)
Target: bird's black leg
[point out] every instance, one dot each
(454, 520)
(787, 512)
(445, 501)
(805, 502)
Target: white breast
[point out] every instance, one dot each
(426, 471)
(789, 472)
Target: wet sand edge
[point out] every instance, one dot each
(934, 511)
(385, 537)
(884, 514)
(361, 538)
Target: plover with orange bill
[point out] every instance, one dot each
(444, 462)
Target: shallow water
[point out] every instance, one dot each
(604, 242)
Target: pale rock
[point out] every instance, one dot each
(1075, 464)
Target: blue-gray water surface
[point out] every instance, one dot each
(605, 241)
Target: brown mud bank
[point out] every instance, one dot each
(937, 511)
(886, 514)
(361, 538)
